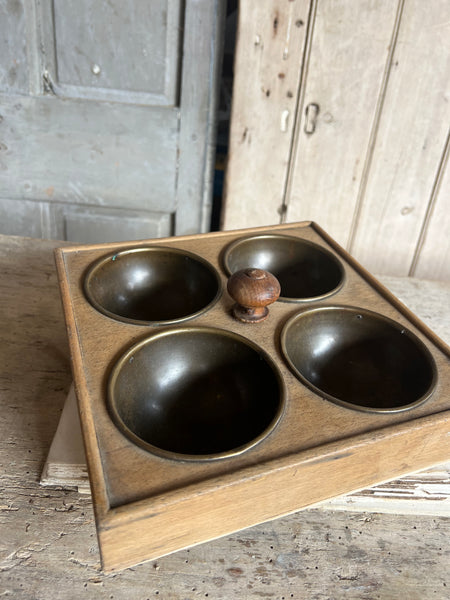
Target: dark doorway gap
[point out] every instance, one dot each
(224, 112)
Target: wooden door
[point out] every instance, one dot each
(106, 123)
(346, 122)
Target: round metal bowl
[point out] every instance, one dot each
(152, 285)
(305, 270)
(195, 393)
(359, 359)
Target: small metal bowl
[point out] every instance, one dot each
(305, 270)
(152, 285)
(195, 393)
(359, 359)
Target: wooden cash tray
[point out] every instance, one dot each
(148, 504)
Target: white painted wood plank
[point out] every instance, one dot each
(349, 52)
(410, 141)
(433, 260)
(425, 493)
(269, 52)
(66, 461)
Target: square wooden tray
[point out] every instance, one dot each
(148, 505)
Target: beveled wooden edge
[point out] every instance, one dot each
(93, 459)
(308, 478)
(383, 290)
(108, 246)
(327, 452)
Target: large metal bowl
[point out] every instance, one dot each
(195, 393)
(359, 359)
(305, 270)
(152, 285)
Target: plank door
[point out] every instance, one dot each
(345, 121)
(106, 117)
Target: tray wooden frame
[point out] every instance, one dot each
(147, 506)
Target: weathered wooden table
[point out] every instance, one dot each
(48, 543)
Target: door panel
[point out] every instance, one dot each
(23, 218)
(107, 113)
(13, 47)
(87, 225)
(83, 224)
(90, 152)
(115, 50)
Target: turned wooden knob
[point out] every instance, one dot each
(253, 290)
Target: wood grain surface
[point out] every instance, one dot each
(48, 546)
(147, 506)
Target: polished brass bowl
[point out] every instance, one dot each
(359, 359)
(152, 285)
(195, 393)
(305, 270)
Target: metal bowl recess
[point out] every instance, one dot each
(195, 393)
(152, 285)
(359, 359)
(305, 270)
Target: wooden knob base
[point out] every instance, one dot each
(253, 290)
(250, 315)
